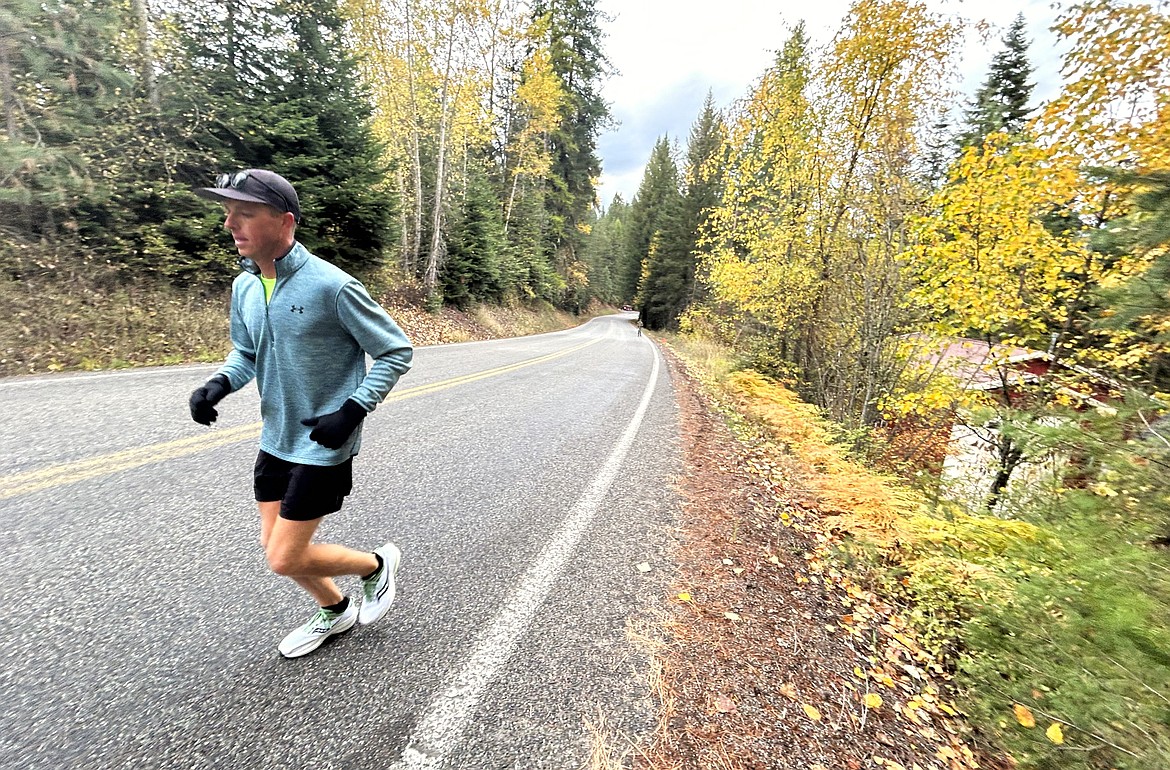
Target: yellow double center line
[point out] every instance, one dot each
(101, 465)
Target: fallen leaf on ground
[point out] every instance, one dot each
(644, 567)
(684, 597)
(788, 690)
(724, 704)
(873, 700)
(891, 764)
(731, 616)
(813, 714)
(1024, 715)
(1055, 734)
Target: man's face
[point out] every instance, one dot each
(260, 232)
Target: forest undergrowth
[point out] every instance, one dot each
(1042, 625)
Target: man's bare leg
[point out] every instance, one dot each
(290, 551)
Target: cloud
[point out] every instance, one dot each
(641, 123)
(669, 54)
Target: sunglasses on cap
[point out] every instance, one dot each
(236, 182)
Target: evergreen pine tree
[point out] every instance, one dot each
(475, 241)
(654, 237)
(314, 127)
(940, 151)
(527, 263)
(282, 92)
(60, 81)
(704, 186)
(667, 278)
(578, 59)
(1141, 305)
(603, 251)
(1001, 103)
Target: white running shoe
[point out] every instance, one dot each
(320, 627)
(378, 591)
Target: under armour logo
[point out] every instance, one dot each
(297, 309)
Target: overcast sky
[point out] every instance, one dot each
(669, 53)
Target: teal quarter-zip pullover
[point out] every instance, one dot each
(307, 349)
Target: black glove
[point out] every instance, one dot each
(204, 399)
(334, 429)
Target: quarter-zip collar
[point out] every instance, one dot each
(285, 266)
(291, 262)
(316, 310)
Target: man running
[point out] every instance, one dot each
(302, 328)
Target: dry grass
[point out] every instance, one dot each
(709, 360)
(603, 754)
(649, 640)
(92, 320)
(82, 324)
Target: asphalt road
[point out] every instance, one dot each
(523, 479)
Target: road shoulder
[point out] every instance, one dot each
(769, 657)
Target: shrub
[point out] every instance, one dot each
(1053, 611)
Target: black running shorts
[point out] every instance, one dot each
(305, 492)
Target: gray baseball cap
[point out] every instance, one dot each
(256, 185)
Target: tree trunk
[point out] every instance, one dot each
(230, 33)
(1009, 459)
(6, 91)
(149, 82)
(405, 260)
(512, 194)
(416, 245)
(431, 279)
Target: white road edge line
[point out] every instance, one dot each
(447, 717)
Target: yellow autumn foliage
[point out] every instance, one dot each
(1024, 715)
(1113, 112)
(1115, 104)
(540, 95)
(859, 501)
(984, 259)
(927, 385)
(937, 546)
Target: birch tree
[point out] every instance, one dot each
(538, 101)
(146, 54)
(428, 65)
(820, 182)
